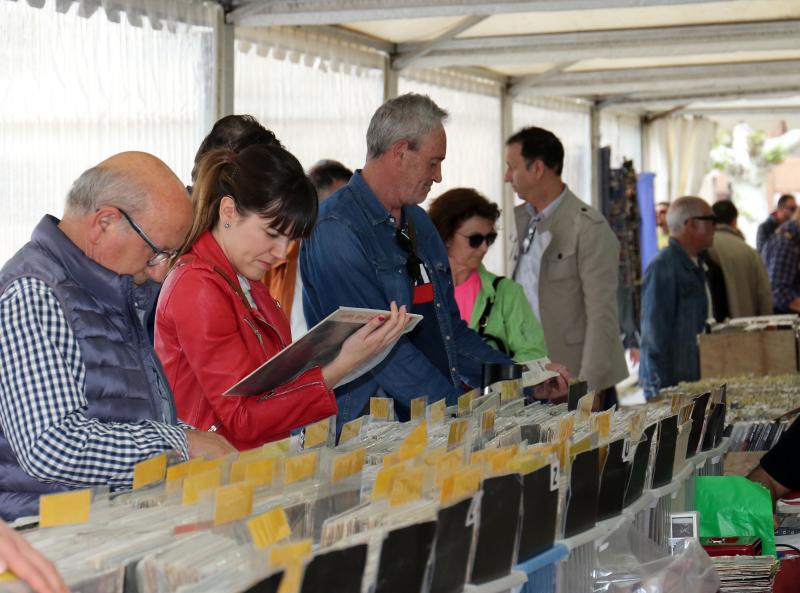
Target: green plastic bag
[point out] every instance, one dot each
(734, 505)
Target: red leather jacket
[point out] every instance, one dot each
(208, 339)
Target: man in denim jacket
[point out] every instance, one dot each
(361, 254)
(675, 300)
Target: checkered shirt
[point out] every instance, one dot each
(781, 255)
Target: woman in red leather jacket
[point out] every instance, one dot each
(216, 322)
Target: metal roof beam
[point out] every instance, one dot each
(253, 13)
(710, 94)
(464, 24)
(621, 43)
(518, 85)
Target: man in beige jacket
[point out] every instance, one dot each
(568, 262)
(746, 279)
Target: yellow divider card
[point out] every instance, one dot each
(316, 434)
(291, 558)
(261, 472)
(195, 486)
(407, 486)
(232, 502)
(180, 470)
(379, 407)
(348, 464)
(351, 430)
(300, 467)
(437, 410)
(65, 508)
(465, 402)
(149, 471)
(269, 528)
(418, 408)
(384, 480)
(458, 431)
(462, 483)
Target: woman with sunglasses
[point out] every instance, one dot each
(494, 306)
(216, 322)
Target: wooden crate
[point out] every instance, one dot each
(740, 353)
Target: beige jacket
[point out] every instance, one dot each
(746, 279)
(578, 292)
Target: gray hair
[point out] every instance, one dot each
(102, 186)
(408, 117)
(681, 210)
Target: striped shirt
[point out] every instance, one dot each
(43, 404)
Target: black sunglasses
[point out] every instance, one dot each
(413, 262)
(708, 217)
(159, 255)
(476, 239)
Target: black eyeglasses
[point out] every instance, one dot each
(476, 239)
(160, 256)
(709, 217)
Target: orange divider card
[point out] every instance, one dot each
(348, 464)
(463, 483)
(458, 431)
(260, 472)
(418, 408)
(407, 486)
(269, 528)
(149, 471)
(316, 435)
(465, 402)
(300, 467)
(384, 480)
(290, 557)
(232, 502)
(437, 410)
(351, 430)
(195, 486)
(379, 407)
(65, 508)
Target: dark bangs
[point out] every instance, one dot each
(269, 181)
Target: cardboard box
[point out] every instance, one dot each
(731, 354)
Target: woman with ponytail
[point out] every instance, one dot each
(216, 322)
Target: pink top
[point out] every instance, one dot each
(466, 293)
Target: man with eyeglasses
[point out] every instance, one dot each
(373, 244)
(568, 264)
(82, 394)
(676, 301)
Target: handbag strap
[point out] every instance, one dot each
(487, 310)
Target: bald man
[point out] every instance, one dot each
(82, 395)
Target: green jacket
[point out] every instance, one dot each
(511, 318)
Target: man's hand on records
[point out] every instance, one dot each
(556, 388)
(380, 333)
(207, 444)
(18, 556)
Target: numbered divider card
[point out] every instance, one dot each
(65, 508)
(269, 528)
(584, 490)
(404, 558)
(455, 526)
(436, 412)
(150, 471)
(614, 479)
(496, 548)
(233, 502)
(351, 431)
(340, 570)
(291, 558)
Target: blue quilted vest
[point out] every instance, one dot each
(100, 308)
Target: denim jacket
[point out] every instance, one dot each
(352, 259)
(674, 312)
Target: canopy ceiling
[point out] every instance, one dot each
(650, 55)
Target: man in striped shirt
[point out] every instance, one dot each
(82, 395)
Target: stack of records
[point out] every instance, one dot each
(746, 574)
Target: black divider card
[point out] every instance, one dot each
(539, 512)
(404, 559)
(584, 489)
(698, 420)
(576, 391)
(715, 427)
(268, 585)
(340, 570)
(665, 454)
(501, 507)
(613, 481)
(454, 531)
(639, 470)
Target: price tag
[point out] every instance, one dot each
(232, 502)
(269, 528)
(65, 508)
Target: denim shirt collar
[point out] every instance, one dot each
(683, 257)
(363, 194)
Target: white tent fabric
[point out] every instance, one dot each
(75, 90)
(623, 133)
